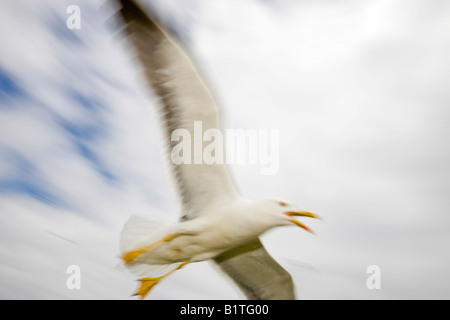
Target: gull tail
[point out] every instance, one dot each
(141, 230)
(138, 232)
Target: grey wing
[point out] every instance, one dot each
(184, 100)
(256, 273)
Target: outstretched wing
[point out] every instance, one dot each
(185, 100)
(256, 273)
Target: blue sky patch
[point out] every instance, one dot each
(10, 90)
(24, 178)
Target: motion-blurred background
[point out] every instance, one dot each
(358, 89)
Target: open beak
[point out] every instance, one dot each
(301, 214)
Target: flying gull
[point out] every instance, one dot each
(216, 221)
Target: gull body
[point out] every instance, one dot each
(216, 231)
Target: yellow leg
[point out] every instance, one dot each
(148, 283)
(133, 254)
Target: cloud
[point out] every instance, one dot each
(356, 90)
(356, 93)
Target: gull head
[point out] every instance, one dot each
(282, 213)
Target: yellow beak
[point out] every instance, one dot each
(301, 214)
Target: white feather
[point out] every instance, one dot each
(140, 231)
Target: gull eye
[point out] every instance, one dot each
(283, 204)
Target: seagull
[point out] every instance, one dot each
(216, 223)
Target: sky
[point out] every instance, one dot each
(358, 92)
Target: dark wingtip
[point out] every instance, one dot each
(130, 9)
(131, 12)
